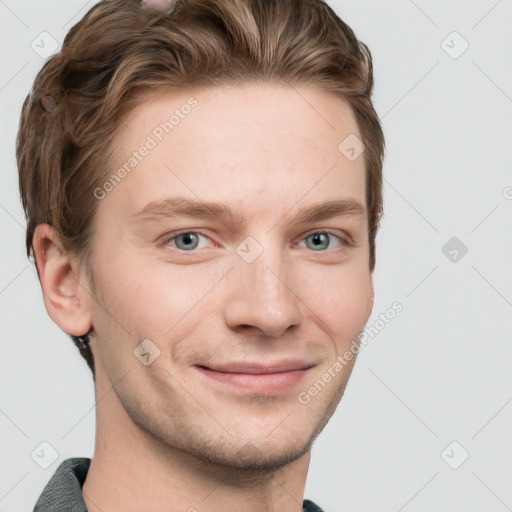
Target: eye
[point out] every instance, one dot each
(186, 240)
(322, 240)
(189, 241)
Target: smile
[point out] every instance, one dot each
(268, 381)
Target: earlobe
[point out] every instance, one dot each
(64, 295)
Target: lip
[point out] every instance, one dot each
(253, 367)
(268, 379)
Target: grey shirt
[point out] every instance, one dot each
(63, 493)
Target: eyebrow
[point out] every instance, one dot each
(188, 207)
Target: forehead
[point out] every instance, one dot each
(254, 144)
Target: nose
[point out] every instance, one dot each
(263, 297)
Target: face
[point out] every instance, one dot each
(231, 270)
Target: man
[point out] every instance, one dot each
(203, 190)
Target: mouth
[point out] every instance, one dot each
(268, 379)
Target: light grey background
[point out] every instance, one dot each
(439, 372)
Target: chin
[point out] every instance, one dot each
(253, 457)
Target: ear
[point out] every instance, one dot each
(65, 290)
(371, 297)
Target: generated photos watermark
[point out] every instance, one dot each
(156, 136)
(369, 332)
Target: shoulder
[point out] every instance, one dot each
(309, 506)
(64, 490)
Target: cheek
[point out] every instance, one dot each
(152, 300)
(342, 300)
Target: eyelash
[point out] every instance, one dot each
(343, 241)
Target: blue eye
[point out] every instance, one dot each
(321, 240)
(190, 241)
(187, 241)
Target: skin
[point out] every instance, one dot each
(159, 6)
(168, 436)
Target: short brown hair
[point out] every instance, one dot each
(68, 121)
